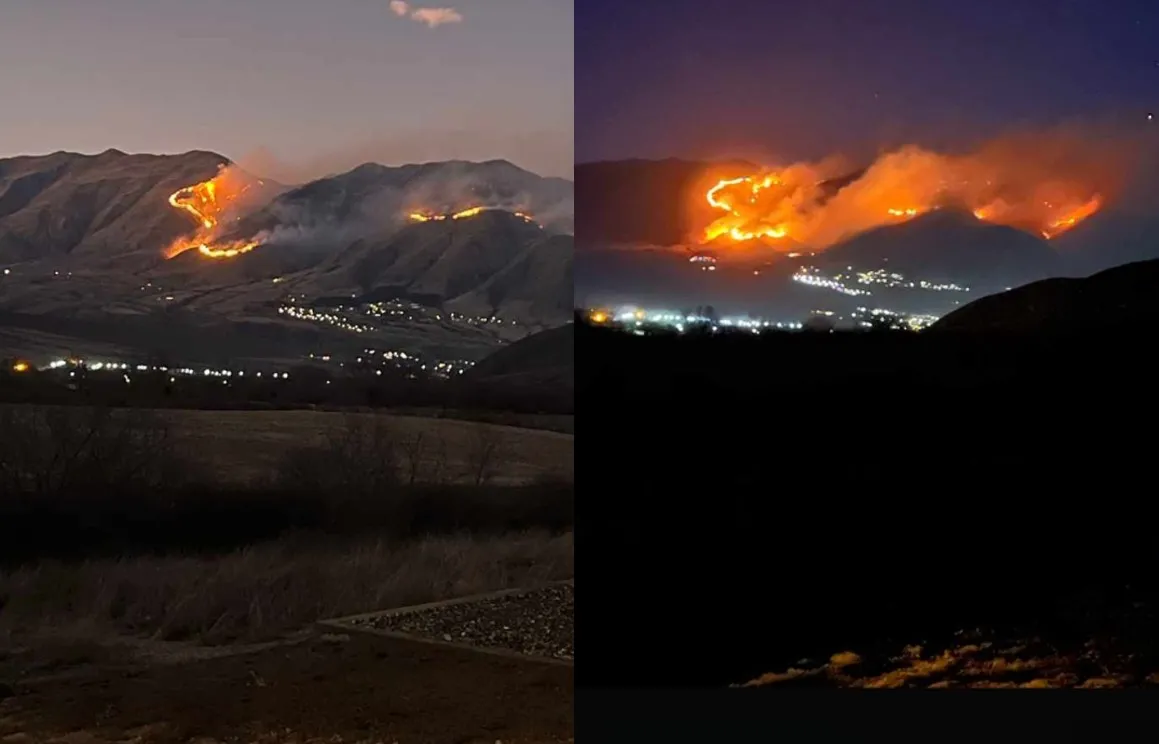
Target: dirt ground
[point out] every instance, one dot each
(319, 688)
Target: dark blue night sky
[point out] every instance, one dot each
(770, 79)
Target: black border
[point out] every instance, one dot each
(633, 716)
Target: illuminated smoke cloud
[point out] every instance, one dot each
(433, 17)
(1044, 183)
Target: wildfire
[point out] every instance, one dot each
(206, 202)
(1043, 188)
(462, 215)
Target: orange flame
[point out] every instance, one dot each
(1041, 185)
(420, 216)
(206, 202)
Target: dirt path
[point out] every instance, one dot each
(329, 688)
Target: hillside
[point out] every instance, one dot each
(1117, 299)
(949, 246)
(544, 359)
(653, 202)
(83, 238)
(373, 196)
(491, 264)
(107, 210)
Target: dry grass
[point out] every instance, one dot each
(244, 445)
(266, 590)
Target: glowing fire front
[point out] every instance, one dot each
(1033, 190)
(207, 202)
(421, 216)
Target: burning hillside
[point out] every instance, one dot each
(1043, 185)
(427, 216)
(211, 203)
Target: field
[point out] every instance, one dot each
(245, 445)
(147, 555)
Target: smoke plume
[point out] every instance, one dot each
(1043, 182)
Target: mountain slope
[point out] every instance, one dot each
(654, 202)
(108, 209)
(373, 196)
(83, 239)
(494, 263)
(543, 359)
(1116, 299)
(949, 246)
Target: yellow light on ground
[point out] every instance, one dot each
(20, 367)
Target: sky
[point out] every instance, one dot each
(294, 89)
(781, 81)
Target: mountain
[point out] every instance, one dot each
(83, 237)
(1116, 299)
(494, 263)
(372, 194)
(653, 202)
(105, 210)
(949, 246)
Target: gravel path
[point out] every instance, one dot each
(537, 622)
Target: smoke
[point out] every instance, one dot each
(433, 17)
(1042, 182)
(547, 152)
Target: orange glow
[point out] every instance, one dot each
(424, 216)
(207, 202)
(1042, 184)
(599, 317)
(21, 367)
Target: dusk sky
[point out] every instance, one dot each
(798, 80)
(292, 88)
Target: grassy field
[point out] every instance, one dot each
(239, 447)
(109, 516)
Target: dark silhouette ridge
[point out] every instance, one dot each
(791, 496)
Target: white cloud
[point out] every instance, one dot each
(437, 16)
(433, 17)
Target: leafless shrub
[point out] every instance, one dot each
(485, 453)
(356, 460)
(423, 458)
(58, 450)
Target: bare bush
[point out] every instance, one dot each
(423, 457)
(485, 453)
(58, 450)
(357, 459)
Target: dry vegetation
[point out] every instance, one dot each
(115, 522)
(243, 445)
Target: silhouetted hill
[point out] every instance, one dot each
(1115, 300)
(823, 493)
(544, 359)
(948, 245)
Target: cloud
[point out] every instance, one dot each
(437, 16)
(433, 17)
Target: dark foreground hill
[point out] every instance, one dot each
(538, 370)
(1113, 301)
(788, 497)
(545, 358)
